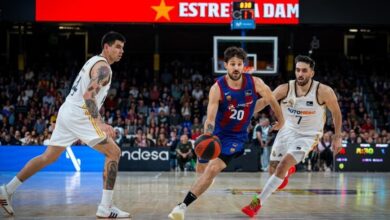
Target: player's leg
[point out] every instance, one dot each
(112, 155)
(279, 149)
(50, 155)
(87, 130)
(296, 152)
(61, 137)
(272, 166)
(201, 166)
(213, 168)
(273, 182)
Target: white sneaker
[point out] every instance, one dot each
(6, 200)
(111, 212)
(178, 212)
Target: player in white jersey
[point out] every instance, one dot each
(79, 118)
(303, 102)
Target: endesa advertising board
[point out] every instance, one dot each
(162, 11)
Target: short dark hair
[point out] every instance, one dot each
(110, 38)
(231, 52)
(305, 59)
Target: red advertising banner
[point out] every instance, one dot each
(162, 11)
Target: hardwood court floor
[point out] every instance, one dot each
(152, 195)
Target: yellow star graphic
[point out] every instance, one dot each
(162, 10)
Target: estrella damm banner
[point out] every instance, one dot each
(162, 11)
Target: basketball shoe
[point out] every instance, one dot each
(253, 208)
(290, 171)
(111, 212)
(178, 212)
(6, 200)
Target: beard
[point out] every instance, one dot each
(302, 81)
(235, 76)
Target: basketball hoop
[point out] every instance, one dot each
(249, 69)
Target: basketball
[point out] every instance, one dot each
(207, 147)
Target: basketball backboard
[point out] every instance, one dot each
(262, 53)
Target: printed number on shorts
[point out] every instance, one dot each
(299, 118)
(75, 84)
(237, 114)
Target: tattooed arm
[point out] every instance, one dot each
(212, 108)
(100, 76)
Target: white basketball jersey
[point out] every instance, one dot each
(303, 114)
(82, 81)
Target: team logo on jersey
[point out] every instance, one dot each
(273, 153)
(248, 92)
(299, 148)
(280, 155)
(229, 98)
(309, 103)
(232, 150)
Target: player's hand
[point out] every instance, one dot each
(108, 129)
(336, 145)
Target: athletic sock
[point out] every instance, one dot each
(272, 184)
(13, 185)
(107, 198)
(190, 197)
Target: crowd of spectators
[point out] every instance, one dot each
(148, 110)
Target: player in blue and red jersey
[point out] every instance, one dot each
(232, 101)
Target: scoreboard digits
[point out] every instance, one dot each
(243, 15)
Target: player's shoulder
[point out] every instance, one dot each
(323, 88)
(257, 80)
(215, 91)
(283, 88)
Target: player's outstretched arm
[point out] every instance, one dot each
(267, 95)
(327, 96)
(212, 108)
(280, 92)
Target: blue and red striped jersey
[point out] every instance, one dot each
(235, 108)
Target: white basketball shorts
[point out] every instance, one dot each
(74, 123)
(289, 141)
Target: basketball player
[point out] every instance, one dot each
(232, 101)
(79, 118)
(303, 102)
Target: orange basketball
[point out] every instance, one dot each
(207, 147)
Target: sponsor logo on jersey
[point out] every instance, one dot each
(248, 92)
(301, 112)
(245, 104)
(309, 103)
